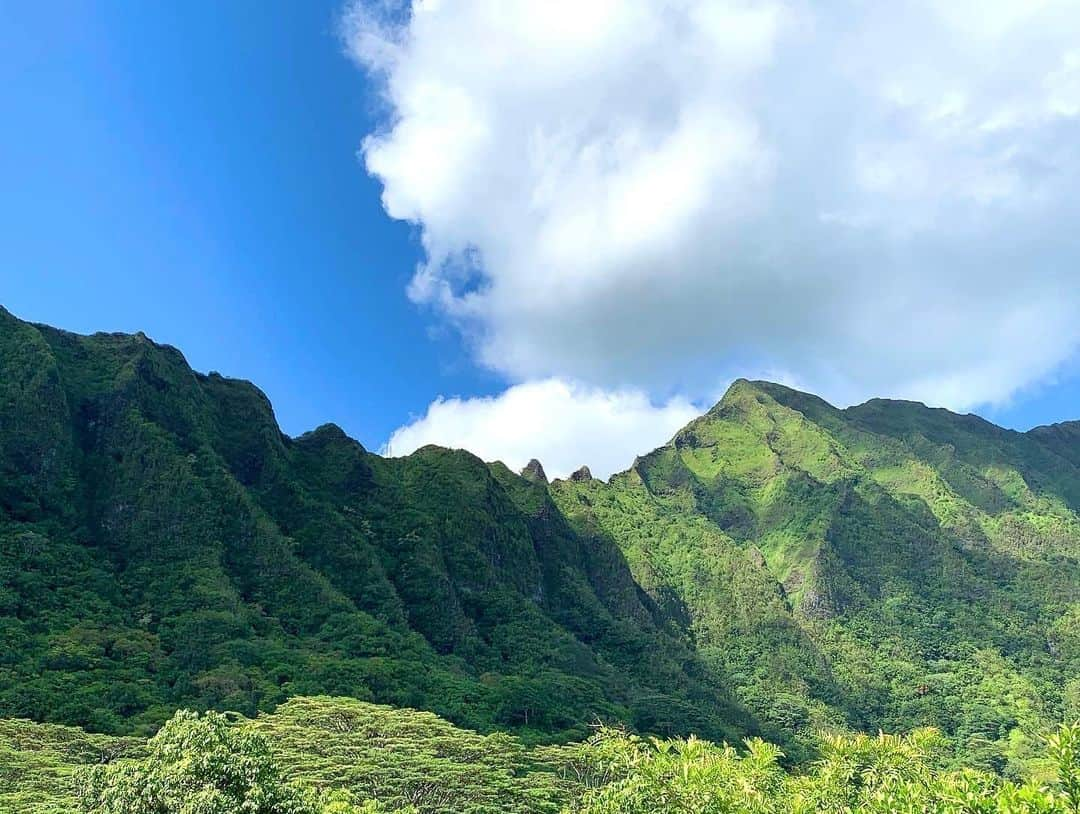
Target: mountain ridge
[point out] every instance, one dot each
(229, 564)
(857, 514)
(779, 566)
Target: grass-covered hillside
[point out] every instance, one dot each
(884, 566)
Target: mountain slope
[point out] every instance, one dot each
(887, 565)
(780, 566)
(162, 543)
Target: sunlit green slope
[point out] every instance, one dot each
(886, 566)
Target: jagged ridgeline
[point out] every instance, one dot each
(163, 544)
(779, 566)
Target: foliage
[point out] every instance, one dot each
(684, 777)
(38, 763)
(885, 774)
(163, 544)
(404, 758)
(884, 566)
(341, 756)
(324, 755)
(779, 568)
(195, 765)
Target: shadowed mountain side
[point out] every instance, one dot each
(162, 543)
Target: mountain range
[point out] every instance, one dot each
(779, 567)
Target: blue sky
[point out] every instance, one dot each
(199, 171)
(190, 170)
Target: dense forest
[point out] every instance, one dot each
(341, 756)
(781, 570)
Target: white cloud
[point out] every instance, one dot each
(563, 425)
(879, 198)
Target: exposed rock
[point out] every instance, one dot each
(582, 474)
(534, 472)
(817, 604)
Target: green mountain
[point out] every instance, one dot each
(884, 566)
(163, 544)
(780, 566)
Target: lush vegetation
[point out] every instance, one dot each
(312, 754)
(196, 765)
(885, 566)
(163, 544)
(779, 569)
(337, 756)
(883, 773)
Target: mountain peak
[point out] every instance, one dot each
(328, 434)
(743, 391)
(330, 430)
(741, 388)
(582, 474)
(534, 471)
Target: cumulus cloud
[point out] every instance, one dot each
(562, 424)
(878, 197)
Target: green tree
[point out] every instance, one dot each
(1064, 749)
(684, 777)
(196, 765)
